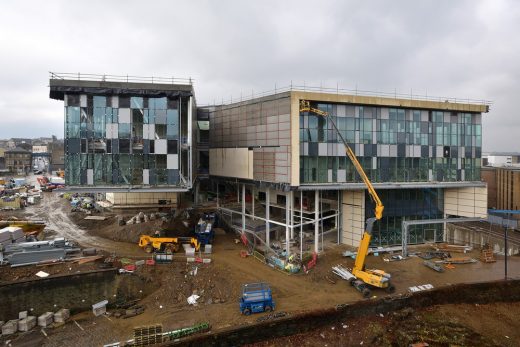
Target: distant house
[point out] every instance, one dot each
(499, 159)
(18, 160)
(57, 156)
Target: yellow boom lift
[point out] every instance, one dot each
(364, 278)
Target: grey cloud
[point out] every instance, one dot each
(465, 49)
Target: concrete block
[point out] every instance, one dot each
(27, 323)
(22, 314)
(46, 319)
(10, 327)
(62, 315)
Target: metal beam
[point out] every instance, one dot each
(406, 224)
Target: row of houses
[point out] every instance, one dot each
(20, 156)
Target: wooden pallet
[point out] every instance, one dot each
(487, 256)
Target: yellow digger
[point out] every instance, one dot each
(364, 278)
(166, 244)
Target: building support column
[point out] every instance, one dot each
(301, 225)
(218, 202)
(291, 196)
(190, 145)
(267, 208)
(287, 222)
(243, 207)
(444, 230)
(253, 202)
(316, 222)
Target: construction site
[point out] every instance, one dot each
(297, 217)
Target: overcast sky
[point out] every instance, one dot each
(464, 49)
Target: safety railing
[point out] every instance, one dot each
(118, 78)
(344, 91)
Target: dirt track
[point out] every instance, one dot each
(55, 212)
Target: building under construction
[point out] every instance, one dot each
(279, 172)
(282, 174)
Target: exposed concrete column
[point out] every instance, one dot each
(316, 223)
(267, 207)
(218, 202)
(253, 202)
(243, 207)
(190, 145)
(291, 196)
(444, 230)
(287, 222)
(301, 224)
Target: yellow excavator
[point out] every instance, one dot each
(364, 278)
(166, 244)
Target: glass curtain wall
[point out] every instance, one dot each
(392, 144)
(407, 204)
(125, 140)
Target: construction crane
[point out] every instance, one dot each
(364, 278)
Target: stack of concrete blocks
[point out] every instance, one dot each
(46, 319)
(190, 251)
(62, 315)
(17, 234)
(10, 327)
(11, 235)
(27, 323)
(100, 308)
(5, 237)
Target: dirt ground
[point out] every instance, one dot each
(219, 283)
(446, 325)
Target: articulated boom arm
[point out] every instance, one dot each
(305, 107)
(377, 278)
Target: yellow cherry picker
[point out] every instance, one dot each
(363, 278)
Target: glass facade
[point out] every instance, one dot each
(122, 140)
(407, 204)
(392, 144)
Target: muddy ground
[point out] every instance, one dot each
(446, 325)
(219, 283)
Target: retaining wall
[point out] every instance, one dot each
(481, 293)
(76, 292)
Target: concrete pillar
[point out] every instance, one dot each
(444, 229)
(190, 146)
(301, 224)
(253, 201)
(291, 197)
(267, 207)
(243, 207)
(287, 222)
(316, 222)
(218, 202)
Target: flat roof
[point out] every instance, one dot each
(61, 84)
(446, 105)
